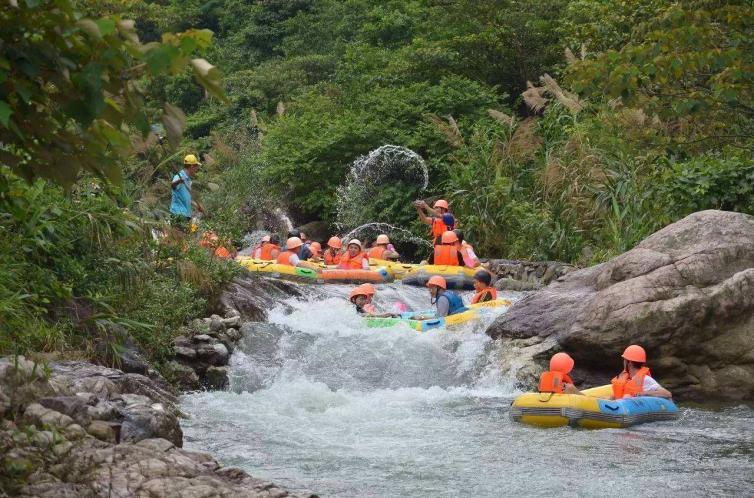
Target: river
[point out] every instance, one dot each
(320, 402)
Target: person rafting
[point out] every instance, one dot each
(354, 258)
(470, 259)
(484, 292)
(294, 255)
(268, 249)
(383, 249)
(332, 253)
(635, 379)
(446, 302)
(556, 380)
(448, 253)
(362, 296)
(316, 249)
(433, 216)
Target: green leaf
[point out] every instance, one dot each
(106, 26)
(90, 27)
(5, 113)
(209, 77)
(174, 121)
(159, 59)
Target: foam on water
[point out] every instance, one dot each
(318, 401)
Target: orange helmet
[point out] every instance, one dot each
(382, 239)
(362, 290)
(561, 362)
(438, 281)
(293, 243)
(335, 242)
(449, 237)
(635, 353)
(316, 247)
(441, 203)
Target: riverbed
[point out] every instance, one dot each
(320, 402)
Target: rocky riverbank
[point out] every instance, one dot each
(72, 428)
(685, 293)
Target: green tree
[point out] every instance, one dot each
(69, 88)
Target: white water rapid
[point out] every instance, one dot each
(320, 402)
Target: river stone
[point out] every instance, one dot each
(686, 294)
(102, 431)
(75, 407)
(184, 376)
(216, 378)
(186, 353)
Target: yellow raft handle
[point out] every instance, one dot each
(545, 397)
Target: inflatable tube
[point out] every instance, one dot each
(336, 276)
(275, 270)
(396, 269)
(457, 277)
(436, 323)
(591, 411)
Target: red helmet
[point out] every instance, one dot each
(561, 362)
(441, 203)
(438, 281)
(635, 353)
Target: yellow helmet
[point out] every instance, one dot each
(191, 160)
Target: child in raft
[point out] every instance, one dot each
(635, 380)
(484, 292)
(361, 297)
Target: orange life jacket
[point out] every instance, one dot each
(446, 255)
(267, 250)
(553, 382)
(222, 252)
(377, 252)
(438, 227)
(349, 263)
(623, 386)
(284, 258)
(330, 259)
(489, 290)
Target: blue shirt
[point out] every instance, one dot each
(180, 203)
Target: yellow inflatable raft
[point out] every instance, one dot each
(457, 277)
(592, 411)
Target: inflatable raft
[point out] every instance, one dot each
(396, 269)
(409, 319)
(591, 411)
(457, 277)
(308, 275)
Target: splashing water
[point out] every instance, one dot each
(318, 401)
(284, 218)
(370, 172)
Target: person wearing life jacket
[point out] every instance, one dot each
(306, 252)
(354, 258)
(332, 253)
(433, 216)
(556, 380)
(636, 379)
(208, 240)
(293, 256)
(382, 249)
(316, 249)
(446, 302)
(257, 253)
(270, 249)
(470, 259)
(484, 292)
(448, 253)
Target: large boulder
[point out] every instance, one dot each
(250, 296)
(686, 294)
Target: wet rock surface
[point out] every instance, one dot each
(521, 275)
(686, 294)
(77, 429)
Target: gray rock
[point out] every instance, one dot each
(102, 431)
(143, 419)
(216, 378)
(38, 415)
(233, 334)
(216, 324)
(686, 294)
(250, 297)
(116, 348)
(75, 407)
(184, 376)
(202, 338)
(213, 354)
(185, 353)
